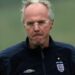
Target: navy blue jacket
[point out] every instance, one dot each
(57, 59)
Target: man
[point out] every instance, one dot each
(39, 54)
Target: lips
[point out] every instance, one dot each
(37, 35)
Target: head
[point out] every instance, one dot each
(37, 17)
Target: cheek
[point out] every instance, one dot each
(29, 31)
(47, 29)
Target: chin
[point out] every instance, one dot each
(38, 43)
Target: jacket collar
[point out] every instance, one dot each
(51, 43)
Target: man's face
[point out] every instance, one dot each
(37, 23)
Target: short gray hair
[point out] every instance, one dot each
(47, 3)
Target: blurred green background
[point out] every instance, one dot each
(12, 30)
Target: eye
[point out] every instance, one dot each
(41, 22)
(30, 23)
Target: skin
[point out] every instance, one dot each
(38, 35)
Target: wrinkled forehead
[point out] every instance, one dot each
(42, 3)
(36, 9)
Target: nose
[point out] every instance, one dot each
(36, 27)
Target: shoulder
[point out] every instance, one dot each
(68, 47)
(9, 52)
(64, 45)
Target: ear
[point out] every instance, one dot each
(23, 25)
(51, 24)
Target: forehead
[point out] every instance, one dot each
(35, 10)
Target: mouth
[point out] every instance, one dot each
(37, 39)
(37, 36)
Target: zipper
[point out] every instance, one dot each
(43, 62)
